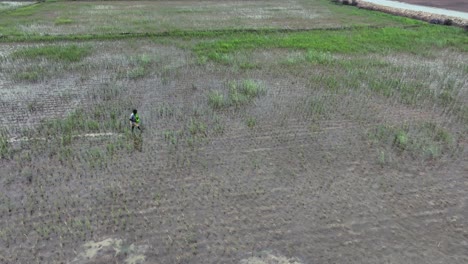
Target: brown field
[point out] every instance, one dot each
(261, 155)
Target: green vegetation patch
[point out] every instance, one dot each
(63, 21)
(30, 74)
(358, 40)
(61, 138)
(73, 124)
(104, 115)
(410, 85)
(165, 16)
(66, 53)
(240, 93)
(427, 140)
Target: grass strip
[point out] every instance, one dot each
(69, 53)
(354, 40)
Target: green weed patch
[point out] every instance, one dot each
(74, 123)
(240, 93)
(216, 99)
(346, 41)
(66, 53)
(32, 74)
(63, 21)
(426, 140)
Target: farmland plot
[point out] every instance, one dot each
(256, 148)
(116, 17)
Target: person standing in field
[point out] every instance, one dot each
(135, 120)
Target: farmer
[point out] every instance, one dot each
(135, 120)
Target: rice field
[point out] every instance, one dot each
(272, 132)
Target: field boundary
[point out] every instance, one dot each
(178, 33)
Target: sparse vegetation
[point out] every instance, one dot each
(263, 122)
(427, 140)
(251, 121)
(33, 74)
(240, 93)
(63, 21)
(216, 99)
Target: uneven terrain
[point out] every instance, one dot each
(324, 134)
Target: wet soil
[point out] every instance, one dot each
(292, 190)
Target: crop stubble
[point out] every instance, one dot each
(304, 182)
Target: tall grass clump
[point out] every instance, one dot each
(243, 92)
(240, 93)
(66, 53)
(252, 89)
(216, 99)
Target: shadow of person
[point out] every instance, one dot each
(138, 143)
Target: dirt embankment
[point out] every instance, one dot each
(420, 15)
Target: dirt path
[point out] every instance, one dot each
(457, 5)
(418, 8)
(415, 11)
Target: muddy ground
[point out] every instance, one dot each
(297, 174)
(293, 188)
